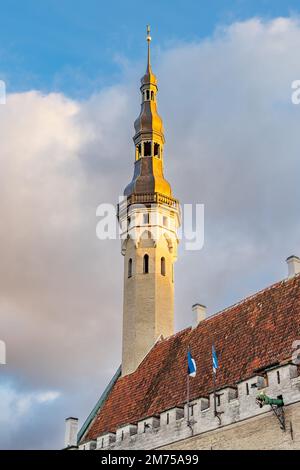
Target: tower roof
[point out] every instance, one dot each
(149, 133)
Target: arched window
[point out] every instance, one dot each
(147, 149)
(130, 267)
(138, 151)
(163, 266)
(146, 264)
(148, 94)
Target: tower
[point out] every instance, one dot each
(149, 218)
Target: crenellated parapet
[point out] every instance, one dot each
(234, 404)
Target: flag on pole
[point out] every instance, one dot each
(191, 365)
(214, 359)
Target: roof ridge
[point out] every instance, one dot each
(252, 296)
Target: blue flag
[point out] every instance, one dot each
(191, 365)
(214, 359)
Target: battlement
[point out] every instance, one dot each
(234, 403)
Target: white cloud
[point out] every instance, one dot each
(232, 144)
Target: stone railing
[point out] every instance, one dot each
(147, 198)
(234, 404)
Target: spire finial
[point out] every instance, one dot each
(148, 41)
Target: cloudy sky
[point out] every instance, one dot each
(232, 132)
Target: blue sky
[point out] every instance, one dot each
(79, 46)
(227, 115)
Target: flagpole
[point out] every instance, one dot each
(215, 396)
(188, 398)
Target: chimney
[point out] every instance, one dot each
(199, 314)
(293, 265)
(71, 432)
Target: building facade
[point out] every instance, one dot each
(146, 406)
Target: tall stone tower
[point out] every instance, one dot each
(149, 217)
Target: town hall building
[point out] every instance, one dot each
(252, 401)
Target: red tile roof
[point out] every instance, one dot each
(252, 334)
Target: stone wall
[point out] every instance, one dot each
(242, 424)
(260, 432)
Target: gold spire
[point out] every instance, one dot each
(149, 77)
(149, 140)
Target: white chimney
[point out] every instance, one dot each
(293, 265)
(71, 432)
(199, 314)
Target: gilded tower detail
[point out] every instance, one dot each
(149, 218)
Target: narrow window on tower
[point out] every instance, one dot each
(146, 219)
(148, 95)
(156, 150)
(138, 152)
(278, 377)
(163, 266)
(152, 95)
(130, 267)
(147, 149)
(146, 264)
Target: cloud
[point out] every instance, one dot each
(17, 408)
(232, 144)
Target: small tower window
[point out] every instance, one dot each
(138, 151)
(247, 388)
(147, 149)
(156, 150)
(148, 95)
(146, 218)
(146, 264)
(152, 95)
(165, 221)
(278, 377)
(163, 266)
(130, 267)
